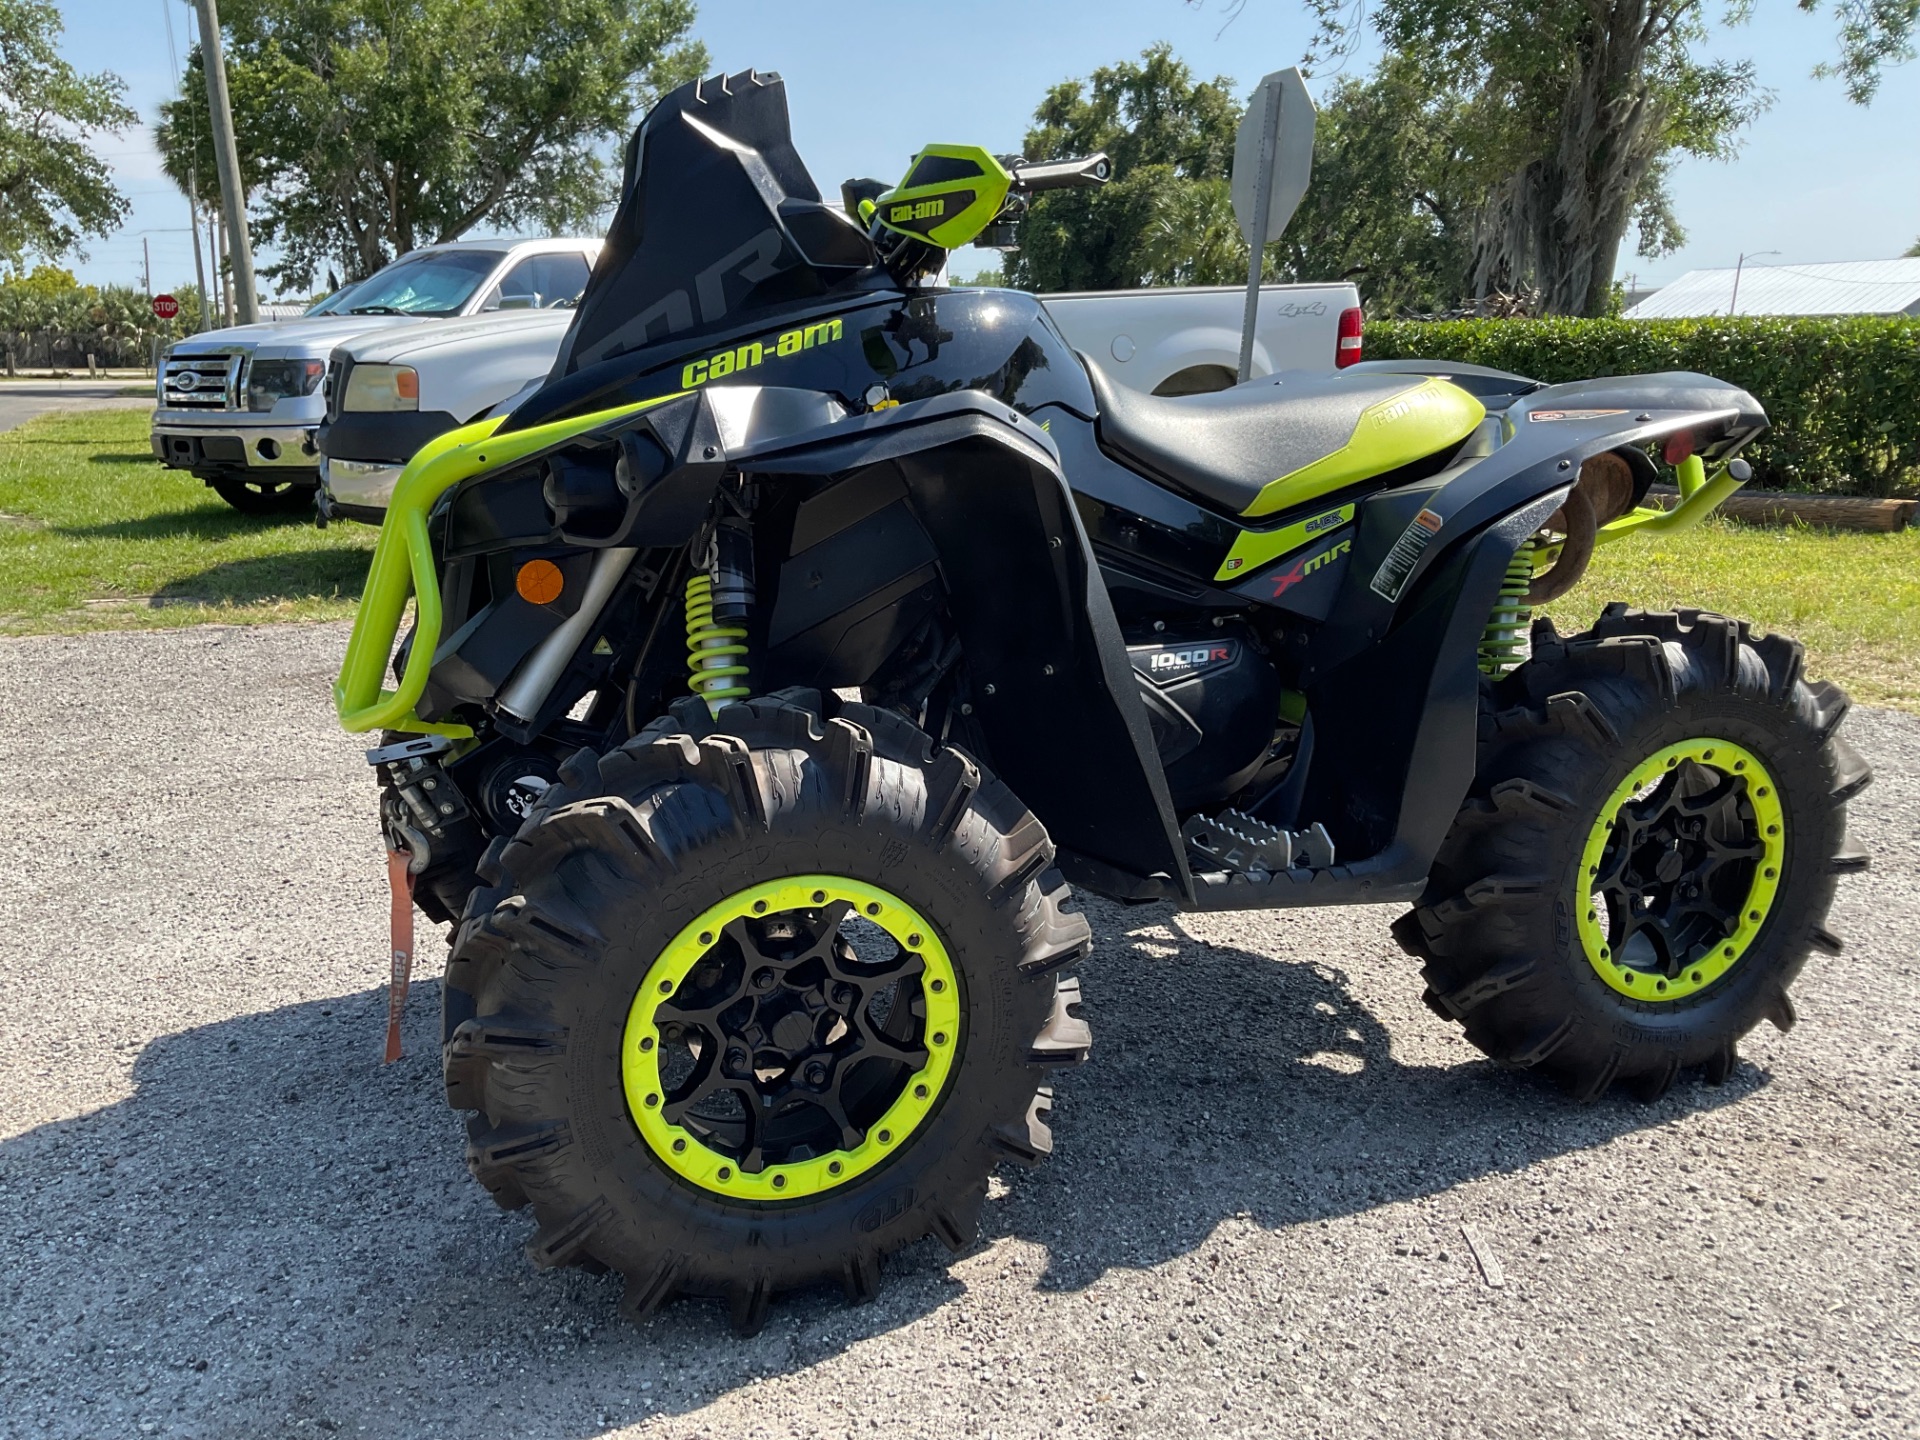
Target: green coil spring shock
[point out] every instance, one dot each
(1503, 643)
(718, 595)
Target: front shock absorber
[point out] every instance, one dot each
(719, 595)
(1503, 643)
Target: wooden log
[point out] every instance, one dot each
(1783, 507)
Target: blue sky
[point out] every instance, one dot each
(1819, 178)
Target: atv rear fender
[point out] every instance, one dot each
(1392, 679)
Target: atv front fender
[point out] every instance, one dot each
(1052, 692)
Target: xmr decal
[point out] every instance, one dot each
(1254, 548)
(1311, 564)
(744, 357)
(1391, 578)
(1169, 664)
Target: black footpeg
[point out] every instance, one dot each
(1242, 845)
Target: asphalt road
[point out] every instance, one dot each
(21, 400)
(1287, 1199)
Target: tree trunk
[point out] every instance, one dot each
(1555, 227)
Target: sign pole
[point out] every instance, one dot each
(1257, 229)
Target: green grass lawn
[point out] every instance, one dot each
(1853, 599)
(95, 535)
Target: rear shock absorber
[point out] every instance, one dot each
(1503, 643)
(719, 595)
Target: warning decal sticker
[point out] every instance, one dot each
(1391, 578)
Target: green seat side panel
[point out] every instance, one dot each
(1254, 548)
(1397, 431)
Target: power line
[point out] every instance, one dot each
(1836, 279)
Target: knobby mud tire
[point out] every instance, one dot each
(629, 848)
(1495, 928)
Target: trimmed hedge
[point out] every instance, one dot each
(1843, 394)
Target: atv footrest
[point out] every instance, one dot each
(1240, 845)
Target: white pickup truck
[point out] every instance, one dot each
(391, 393)
(239, 407)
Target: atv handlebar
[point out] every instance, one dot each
(1031, 178)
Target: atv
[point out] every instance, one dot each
(778, 667)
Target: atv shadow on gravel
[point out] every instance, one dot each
(1269, 1091)
(270, 1159)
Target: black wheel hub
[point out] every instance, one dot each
(1679, 864)
(792, 1036)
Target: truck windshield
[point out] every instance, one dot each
(437, 283)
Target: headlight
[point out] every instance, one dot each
(382, 387)
(271, 381)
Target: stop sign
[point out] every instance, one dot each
(165, 307)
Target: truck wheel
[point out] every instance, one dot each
(1647, 854)
(747, 1004)
(264, 497)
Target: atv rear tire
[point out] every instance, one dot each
(1556, 862)
(553, 1002)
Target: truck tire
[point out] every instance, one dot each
(1646, 856)
(264, 497)
(750, 1002)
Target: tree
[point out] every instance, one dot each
(1913, 250)
(1395, 184)
(1396, 179)
(1165, 219)
(54, 190)
(368, 128)
(1587, 103)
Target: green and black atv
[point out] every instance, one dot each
(777, 668)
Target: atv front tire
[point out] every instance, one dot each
(1646, 856)
(750, 1002)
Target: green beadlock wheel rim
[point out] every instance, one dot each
(811, 1002)
(1680, 870)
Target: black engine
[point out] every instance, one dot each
(1211, 697)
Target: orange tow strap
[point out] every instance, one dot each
(400, 929)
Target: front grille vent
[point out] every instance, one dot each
(201, 382)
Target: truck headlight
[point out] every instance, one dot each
(382, 387)
(271, 381)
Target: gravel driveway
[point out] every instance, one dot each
(1287, 1199)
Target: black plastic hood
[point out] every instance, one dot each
(718, 219)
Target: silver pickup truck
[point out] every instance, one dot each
(240, 407)
(390, 393)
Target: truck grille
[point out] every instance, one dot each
(201, 382)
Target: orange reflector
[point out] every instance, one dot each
(406, 382)
(539, 582)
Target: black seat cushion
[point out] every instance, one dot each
(1227, 446)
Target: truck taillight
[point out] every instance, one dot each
(1347, 349)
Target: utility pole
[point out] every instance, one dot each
(1733, 305)
(146, 265)
(227, 155)
(223, 274)
(199, 263)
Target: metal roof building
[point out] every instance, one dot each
(1844, 287)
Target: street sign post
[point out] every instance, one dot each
(165, 307)
(1272, 162)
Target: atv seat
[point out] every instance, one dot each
(1284, 439)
